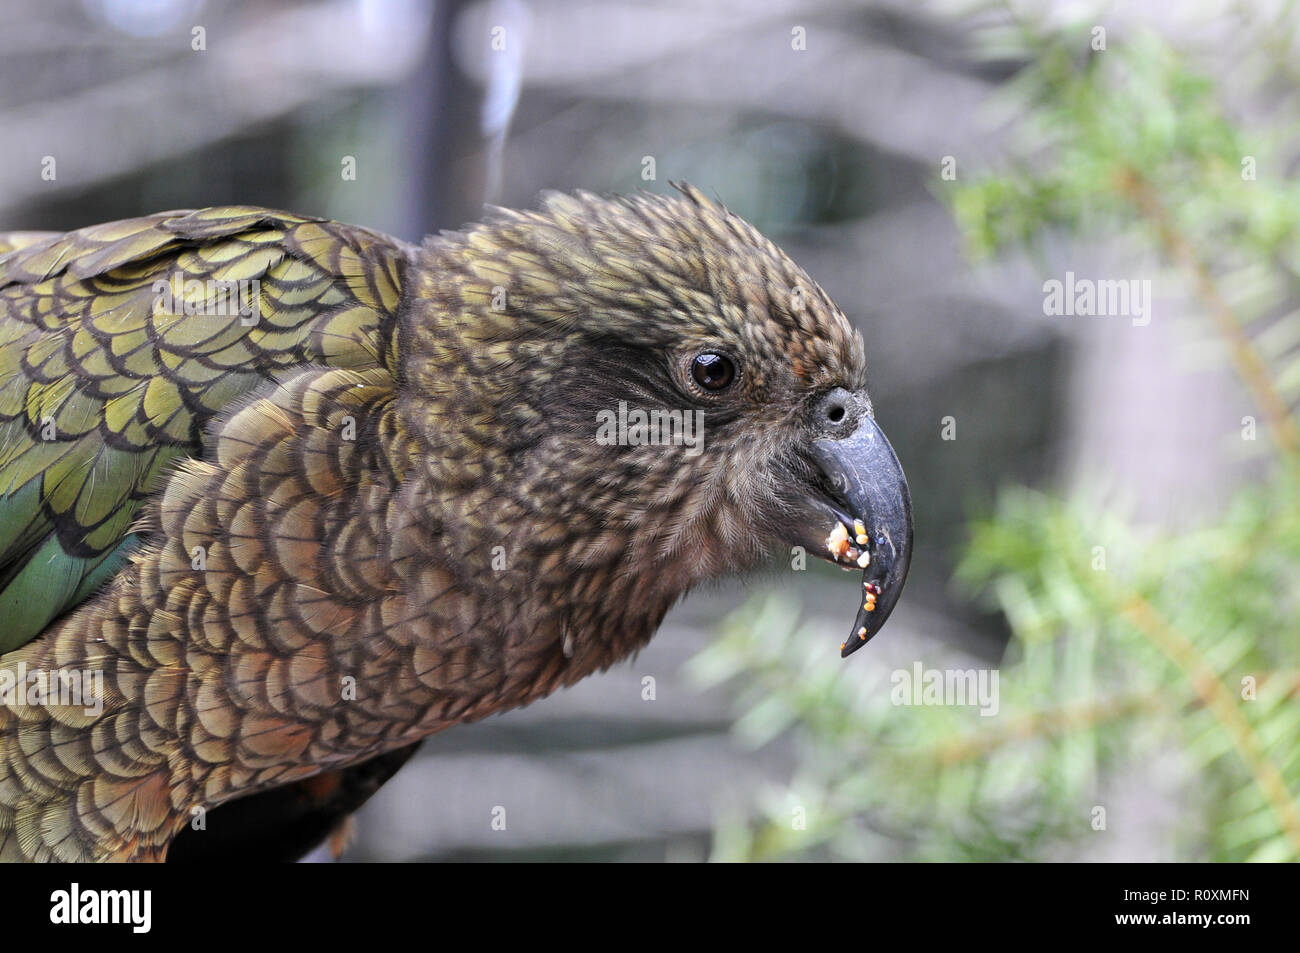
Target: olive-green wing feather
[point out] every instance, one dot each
(120, 341)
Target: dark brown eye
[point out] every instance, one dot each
(713, 371)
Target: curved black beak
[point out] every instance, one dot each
(865, 472)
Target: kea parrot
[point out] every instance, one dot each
(282, 496)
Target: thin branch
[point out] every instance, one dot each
(1222, 702)
(1252, 368)
(1038, 724)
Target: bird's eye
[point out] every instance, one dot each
(713, 371)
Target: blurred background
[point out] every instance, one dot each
(1107, 514)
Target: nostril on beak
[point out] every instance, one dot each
(837, 409)
(837, 412)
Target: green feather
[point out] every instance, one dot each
(41, 588)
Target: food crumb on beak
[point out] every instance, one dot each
(837, 543)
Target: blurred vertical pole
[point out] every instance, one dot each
(508, 23)
(456, 125)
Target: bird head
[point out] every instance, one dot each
(667, 394)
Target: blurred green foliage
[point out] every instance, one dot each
(1130, 645)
